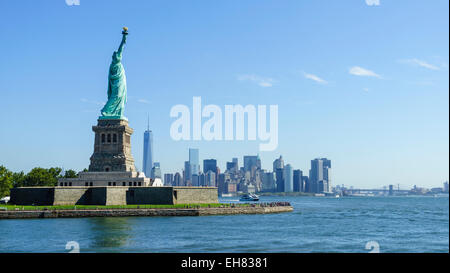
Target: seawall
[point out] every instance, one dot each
(112, 195)
(23, 214)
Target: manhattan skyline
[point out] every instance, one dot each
(364, 85)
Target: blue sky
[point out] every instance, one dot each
(363, 85)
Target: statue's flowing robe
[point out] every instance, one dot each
(117, 89)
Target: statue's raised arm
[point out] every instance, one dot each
(124, 40)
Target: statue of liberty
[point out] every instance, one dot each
(117, 85)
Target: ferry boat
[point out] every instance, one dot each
(249, 197)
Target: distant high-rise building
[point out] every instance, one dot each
(209, 165)
(187, 173)
(201, 180)
(168, 179)
(268, 182)
(194, 161)
(446, 186)
(235, 160)
(222, 180)
(322, 186)
(320, 175)
(210, 179)
(279, 174)
(298, 181)
(232, 167)
(306, 185)
(251, 161)
(326, 162)
(288, 181)
(177, 179)
(278, 164)
(327, 177)
(147, 163)
(195, 180)
(156, 170)
(316, 173)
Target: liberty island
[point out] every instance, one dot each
(112, 180)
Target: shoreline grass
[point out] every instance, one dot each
(100, 207)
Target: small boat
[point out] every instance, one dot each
(249, 197)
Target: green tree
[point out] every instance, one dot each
(42, 177)
(6, 181)
(70, 174)
(55, 172)
(18, 179)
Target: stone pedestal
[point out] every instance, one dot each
(112, 147)
(112, 164)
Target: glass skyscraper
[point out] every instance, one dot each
(298, 181)
(194, 161)
(320, 175)
(249, 162)
(147, 162)
(278, 164)
(156, 170)
(209, 165)
(187, 175)
(279, 174)
(288, 181)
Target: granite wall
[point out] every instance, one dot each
(112, 195)
(150, 195)
(71, 196)
(190, 195)
(33, 196)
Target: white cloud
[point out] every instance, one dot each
(261, 81)
(314, 78)
(359, 71)
(421, 63)
(373, 2)
(144, 101)
(366, 89)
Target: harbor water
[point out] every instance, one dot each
(317, 224)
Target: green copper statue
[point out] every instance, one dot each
(117, 85)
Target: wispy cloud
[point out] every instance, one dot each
(359, 71)
(314, 78)
(417, 62)
(366, 89)
(92, 102)
(373, 2)
(143, 101)
(261, 81)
